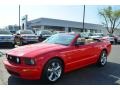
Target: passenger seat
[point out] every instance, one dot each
(87, 41)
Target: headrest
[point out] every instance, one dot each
(89, 41)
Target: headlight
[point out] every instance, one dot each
(24, 37)
(17, 60)
(11, 38)
(29, 61)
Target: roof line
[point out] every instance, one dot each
(60, 20)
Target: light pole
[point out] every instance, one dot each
(84, 19)
(19, 16)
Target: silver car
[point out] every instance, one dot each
(25, 36)
(6, 38)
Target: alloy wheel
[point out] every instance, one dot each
(103, 58)
(54, 71)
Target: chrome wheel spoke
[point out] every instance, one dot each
(50, 70)
(53, 64)
(57, 68)
(51, 76)
(103, 59)
(57, 73)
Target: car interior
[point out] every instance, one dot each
(84, 41)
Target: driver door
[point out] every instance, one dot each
(80, 55)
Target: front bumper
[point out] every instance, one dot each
(24, 72)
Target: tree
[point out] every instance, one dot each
(111, 19)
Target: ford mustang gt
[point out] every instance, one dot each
(56, 55)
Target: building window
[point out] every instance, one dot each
(69, 29)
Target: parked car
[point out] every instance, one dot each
(25, 36)
(43, 34)
(85, 35)
(56, 32)
(111, 38)
(6, 38)
(118, 39)
(56, 55)
(96, 35)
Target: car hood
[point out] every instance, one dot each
(28, 35)
(4, 35)
(34, 50)
(108, 37)
(46, 35)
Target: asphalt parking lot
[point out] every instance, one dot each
(91, 75)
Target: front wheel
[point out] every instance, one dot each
(53, 70)
(102, 59)
(12, 45)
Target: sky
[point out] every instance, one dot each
(9, 13)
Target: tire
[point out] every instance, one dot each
(12, 45)
(115, 41)
(53, 71)
(102, 59)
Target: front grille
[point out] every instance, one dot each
(13, 59)
(6, 37)
(29, 37)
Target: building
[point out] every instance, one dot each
(12, 28)
(59, 25)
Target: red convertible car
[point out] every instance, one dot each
(56, 55)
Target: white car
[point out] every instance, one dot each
(6, 38)
(110, 38)
(96, 35)
(43, 34)
(118, 39)
(56, 32)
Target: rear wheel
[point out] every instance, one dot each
(53, 70)
(102, 59)
(12, 45)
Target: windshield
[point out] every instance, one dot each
(45, 32)
(63, 39)
(5, 32)
(26, 32)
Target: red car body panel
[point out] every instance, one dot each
(73, 57)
